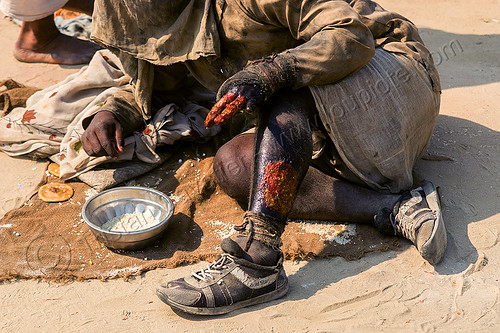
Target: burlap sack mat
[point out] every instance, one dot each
(13, 94)
(51, 241)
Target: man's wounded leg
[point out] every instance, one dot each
(250, 271)
(282, 155)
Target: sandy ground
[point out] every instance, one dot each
(391, 291)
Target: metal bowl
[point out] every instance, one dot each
(121, 200)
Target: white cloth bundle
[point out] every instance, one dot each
(51, 123)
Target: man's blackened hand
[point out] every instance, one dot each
(104, 136)
(240, 98)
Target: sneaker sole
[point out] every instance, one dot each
(433, 249)
(224, 309)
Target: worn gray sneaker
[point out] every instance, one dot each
(417, 217)
(228, 284)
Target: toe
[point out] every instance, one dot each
(178, 292)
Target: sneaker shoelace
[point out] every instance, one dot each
(400, 227)
(404, 229)
(214, 268)
(407, 225)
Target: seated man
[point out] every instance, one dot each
(40, 40)
(344, 82)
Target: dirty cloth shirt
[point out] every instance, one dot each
(160, 42)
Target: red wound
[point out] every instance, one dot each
(237, 105)
(279, 186)
(218, 108)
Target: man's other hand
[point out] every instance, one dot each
(104, 136)
(240, 98)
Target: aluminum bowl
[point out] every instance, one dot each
(121, 200)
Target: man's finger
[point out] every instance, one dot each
(234, 107)
(119, 138)
(218, 108)
(107, 142)
(251, 105)
(91, 144)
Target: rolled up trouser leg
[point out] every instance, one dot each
(381, 119)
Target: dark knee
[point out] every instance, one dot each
(290, 113)
(299, 101)
(233, 166)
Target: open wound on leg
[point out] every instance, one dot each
(279, 186)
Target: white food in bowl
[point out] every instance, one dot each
(131, 222)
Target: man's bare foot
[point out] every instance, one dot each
(41, 41)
